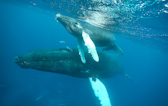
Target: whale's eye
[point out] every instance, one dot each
(76, 24)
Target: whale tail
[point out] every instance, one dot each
(115, 48)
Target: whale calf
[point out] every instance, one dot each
(91, 36)
(67, 61)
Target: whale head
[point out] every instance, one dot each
(62, 61)
(72, 25)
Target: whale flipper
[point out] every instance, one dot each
(100, 91)
(115, 48)
(81, 51)
(90, 46)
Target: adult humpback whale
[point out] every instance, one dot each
(66, 61)
(90, 35)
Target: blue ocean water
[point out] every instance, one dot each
(30, 25)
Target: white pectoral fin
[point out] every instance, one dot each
(100, 91)
(81, 51)
(90, 46)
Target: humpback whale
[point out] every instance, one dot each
(67, 61)
(89, 35)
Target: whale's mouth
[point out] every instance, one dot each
(21, 62)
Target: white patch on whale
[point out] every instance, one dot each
(90, 46)
(81, 51)
(100, 92)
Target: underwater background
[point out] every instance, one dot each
(142, 33)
